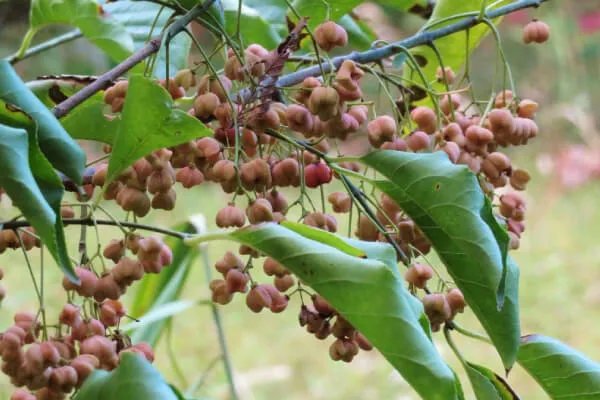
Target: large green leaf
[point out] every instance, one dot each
(149, 122)
(320, 10)
(369, 292)
(563, 372)
(64, 154)
(88, 121)
(445, 201)
(254, 26)
(453, 48)
(138, 17)
(90, 18)
(33, 186)
(134, 378)
(487, 385)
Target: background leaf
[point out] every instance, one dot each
(447, 204)
(453, 48)
(563, 372)
(134, 378)
(254, 26)
(138, 17)
(88, 121)
(149, 122)
(368, 292)
(317, 9)
(33, 186)
(360, 36)
(487, 385)
(62, 151)
(89, 17)
(155, 292)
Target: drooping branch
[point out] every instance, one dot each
(106, 80)
(373, 55)
(14, 224)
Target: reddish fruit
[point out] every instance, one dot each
(69, 315)
(230, 216)
(283, 283)
(107, 288)
(258, 298)
(103, 348)
(88, 282)
(329, 35)
(236, 281)
(456, 301)
(317, 174)
(437, 309)
(220, 294)
(341, 202)
(536, 31)
(418, 275)
(324, 103)
(425, 119)
(418, 141)
(445, 76)
(380, 130)
(114, 250)
(273, 268)
(84, 365)
(260, 211)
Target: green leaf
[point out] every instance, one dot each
(64, 154)
(563, 372)
(447, 204)
(149, 122)
(487, 385)
(89, 17)
(453, 48)
(134, 378)
(254, 27)
(368, 292)
(360, 36)
(34, 188)
(144, 330)
(319, 10)
(138, 17)
(88, 121)
(324, 237)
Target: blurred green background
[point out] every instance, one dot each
(273, 357)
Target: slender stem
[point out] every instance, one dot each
(220, 331)
(452, 345)
(193, 389)
(25, 43)
(474, 335)
(50, 44)
(171, 354)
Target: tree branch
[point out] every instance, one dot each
(150, 48)
(365, 57)
(91, 222)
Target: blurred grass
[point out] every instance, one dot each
(272, 356)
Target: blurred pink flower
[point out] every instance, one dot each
(590, 22)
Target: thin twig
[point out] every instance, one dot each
(220, 331)
(91, 221)
(54, 42)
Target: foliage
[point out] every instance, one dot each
(428, 184)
